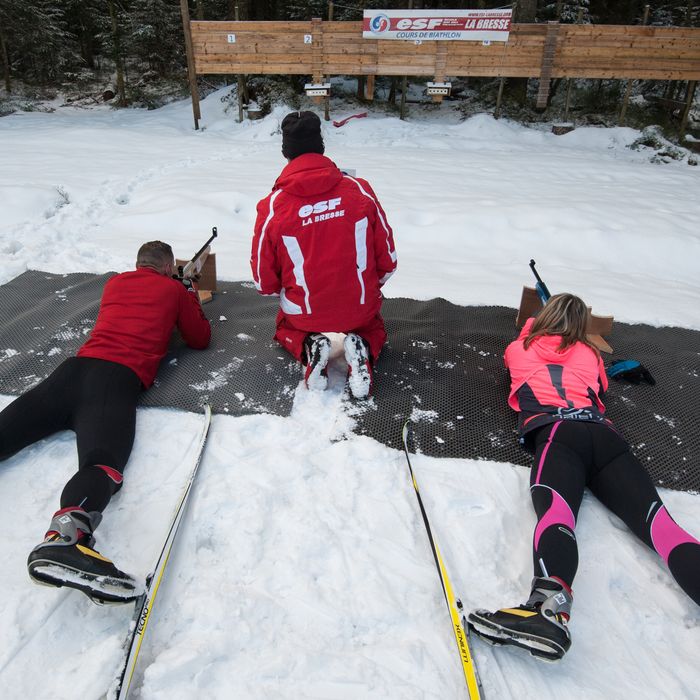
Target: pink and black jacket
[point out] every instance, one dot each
(548, 385)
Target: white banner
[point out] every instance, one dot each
(437, 25)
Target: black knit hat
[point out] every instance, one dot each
(301, 133)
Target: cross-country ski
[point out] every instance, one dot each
(145, 602)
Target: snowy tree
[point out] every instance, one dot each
(35, 41)
(575, 11)
(306, 9)
(155, 35)
(83, 20)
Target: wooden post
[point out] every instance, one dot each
(550, 47)
(690, 94)
(567, 103)
(628, 89)
(369, 88)
(240, 79)
(440, 62)
(404, 83)
(499, 99)
(688, 104)
(317, 53)
(327, 100)
(185, 11)
(402, 109)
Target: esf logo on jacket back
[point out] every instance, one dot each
(325, 209)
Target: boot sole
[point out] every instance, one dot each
(540, 647)
(103, 590)
(359, 377)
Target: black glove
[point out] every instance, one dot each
(631, 371)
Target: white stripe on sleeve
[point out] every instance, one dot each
(361, 253)
(392, 253)
(258, 281)
(297, 258)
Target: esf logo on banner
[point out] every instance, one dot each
(379, 24)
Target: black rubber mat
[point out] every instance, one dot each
(442, 367)
(46, 318)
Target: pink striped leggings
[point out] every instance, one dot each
(572, 455)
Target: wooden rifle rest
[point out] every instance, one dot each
(598, 326)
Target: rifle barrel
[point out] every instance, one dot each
(214, 234)
(534, 272)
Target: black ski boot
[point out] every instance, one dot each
(540, 625)
(317, 351)
(66, 558)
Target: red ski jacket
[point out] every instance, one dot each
(548, 385)
(138, 313)
(323, 244)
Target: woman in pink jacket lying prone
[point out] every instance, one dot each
(557, 379)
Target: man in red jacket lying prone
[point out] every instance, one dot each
(95, 395)
(322, 243)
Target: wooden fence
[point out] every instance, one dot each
(545, 51)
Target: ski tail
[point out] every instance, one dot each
(454, 606)
(144, 604)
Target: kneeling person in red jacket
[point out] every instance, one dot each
(322, 243)
(95, 395)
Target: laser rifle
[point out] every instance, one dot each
(191, 269)
(540, 287)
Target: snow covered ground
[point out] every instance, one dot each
(303, 570)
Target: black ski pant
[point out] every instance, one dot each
(571, 455)
(96, 399)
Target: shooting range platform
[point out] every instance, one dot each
(442, 366)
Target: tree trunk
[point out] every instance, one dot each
(86, 49)
(632, 12)
(200, 10)
(525, 13)
(5, 62)
(121, 90)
